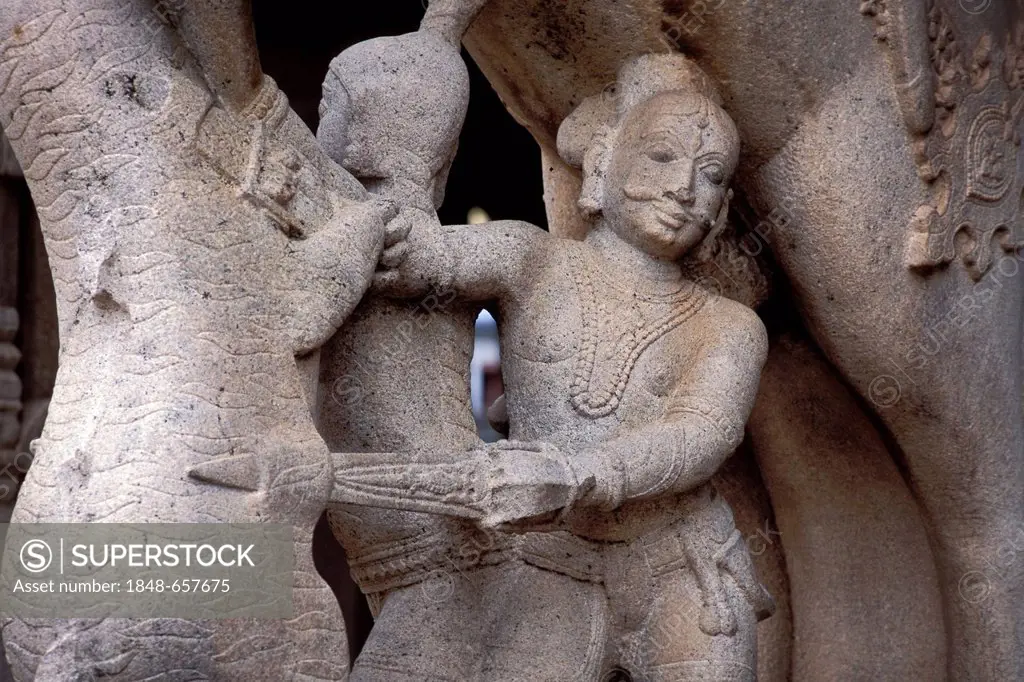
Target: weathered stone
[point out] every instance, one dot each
(199, 241)
(850, 169)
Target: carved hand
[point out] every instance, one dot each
(529, 485)
(522, 486)
(411, 268)
(333, 267)
(600, 485)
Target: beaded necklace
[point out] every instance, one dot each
(600, 401)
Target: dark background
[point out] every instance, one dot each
(498, 167)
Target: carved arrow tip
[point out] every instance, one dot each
(240, 472)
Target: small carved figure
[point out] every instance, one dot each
(626, 390)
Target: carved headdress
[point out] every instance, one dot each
(586, 137)
(407, 98)
(412, 89)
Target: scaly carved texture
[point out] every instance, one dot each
(181, 308)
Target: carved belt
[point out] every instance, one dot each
(564, 553)
(401, 564)
(408, 562)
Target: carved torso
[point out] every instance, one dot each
(601, 359)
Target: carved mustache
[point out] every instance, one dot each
(671, 210)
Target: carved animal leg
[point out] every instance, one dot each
(843, 510)
(849, 185)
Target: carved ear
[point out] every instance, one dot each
(595, 168)
(708, 248)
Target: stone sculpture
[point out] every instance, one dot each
(396, 377)
(848, 130)
(619, 419)
(204, 247)
(200, 241)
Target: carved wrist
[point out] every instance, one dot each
(602, 474)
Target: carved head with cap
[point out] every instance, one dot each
(393, 109)
(657, 157)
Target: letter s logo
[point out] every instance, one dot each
(36, 556)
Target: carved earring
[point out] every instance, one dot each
(595, 165)
(707, 249)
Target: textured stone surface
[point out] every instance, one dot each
(211, 257)
(396, 377)
(615, 423)
(199, 240)
(843, 510)
(881, 166)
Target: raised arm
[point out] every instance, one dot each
(451, 18)
(492, 261)
(701, 427)
(221, 36)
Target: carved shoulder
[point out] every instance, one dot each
(739, 327)
(728, 344)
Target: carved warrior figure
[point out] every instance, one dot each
(626, 391)
(395, 378)
(200, 241)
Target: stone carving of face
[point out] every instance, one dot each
(667, 180)
(393, 109)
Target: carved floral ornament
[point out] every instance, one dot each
(969, 158)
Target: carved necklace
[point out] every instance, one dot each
(602, 399)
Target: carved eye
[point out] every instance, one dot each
(715, 173)
(661, 154)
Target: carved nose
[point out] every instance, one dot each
(682, 194)
(683, 190)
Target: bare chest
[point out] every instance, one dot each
(600, 353)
